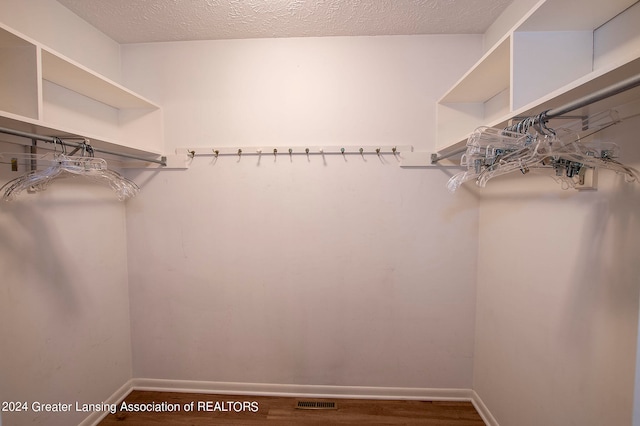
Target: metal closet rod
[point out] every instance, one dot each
(54, 140)
(606, 92)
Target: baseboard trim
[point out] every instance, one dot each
(308, 391)
(96, 417)
(482, 409)
(316, 391)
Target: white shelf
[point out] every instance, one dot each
(572, 15)
(29, 125)
(484, 80)
(75, 77)
(559, 51)
(18, 75)
(43, 92)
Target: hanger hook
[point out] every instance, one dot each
(89, 149)
(543, 119)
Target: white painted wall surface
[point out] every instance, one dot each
(314, 91)
(302, 272)
(506, 21)
(64, 303)
(558, 287)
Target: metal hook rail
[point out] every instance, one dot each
(545, 116)
(294, 150)
(57, 140)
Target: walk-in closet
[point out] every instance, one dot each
(448, 215)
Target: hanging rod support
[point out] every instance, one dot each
(53, 140)
(435, 157)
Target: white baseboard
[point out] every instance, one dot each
(482, 409)
(96, 417)
(310, 391)
(316, 391)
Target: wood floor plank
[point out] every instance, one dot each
(245, 410)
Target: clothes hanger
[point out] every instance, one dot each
(63, 165)
(485, 147)
(531, 145)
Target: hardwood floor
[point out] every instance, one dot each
(260, 410)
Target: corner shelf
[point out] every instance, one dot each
(559, 51)
(44, 92)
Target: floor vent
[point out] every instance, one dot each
(316, 405)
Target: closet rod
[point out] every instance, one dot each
(606, 92)
(594, 97)
(49, 139)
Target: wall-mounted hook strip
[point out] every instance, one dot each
(308, 150)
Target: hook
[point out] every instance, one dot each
(191, 154)
(378, 151)
(342, 151)
(88, 148)
(239, 152)
(543, 120)
(394, 150)
(216, 153)
(63, 148)
(275, 152)
(361, 151)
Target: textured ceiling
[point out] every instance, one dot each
(138, 21)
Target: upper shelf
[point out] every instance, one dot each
(46, 93)
(486, 79)
(77, 78)
(572, 15)
(10, 40)
(560, 49)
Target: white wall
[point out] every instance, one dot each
(64, 303)
(64, 311)
(302, 272)
(314, 91)
(507, 19)
(557, 311)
